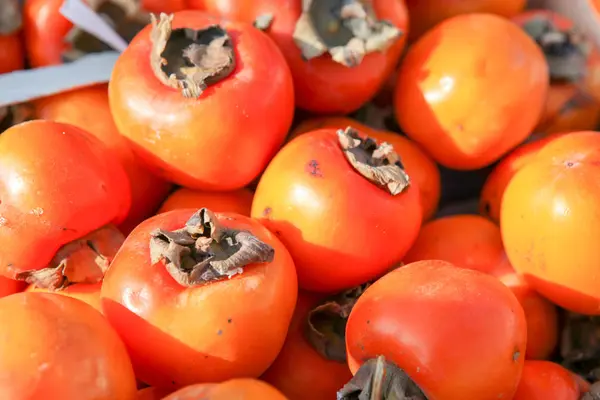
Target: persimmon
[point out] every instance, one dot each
(237, 201)
(152, 393)
(312, 363)
(542, 380)
(87, 292)
(12, 55)
(343, 206)
(496, 182)
(336, 67)
(60, 347)
(61, 191)
(443, 79)
(241, 388)
(168, 296)
(473, 242)
(421, 168)
(168, 6)
(550, 221)
(425, 14)
(428, 326)
(10, 286)
(573, 101)
(234, 92)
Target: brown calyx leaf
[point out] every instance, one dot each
(347, 29)
(11, 18)
(378, 163)
(593, 394)
(326, 323)
(566, 51)
(84, 260)
(378, 379)
(203, 251)
(125, 16)
(580, 345)
(15, 114)
(190, 60)
(263, 22)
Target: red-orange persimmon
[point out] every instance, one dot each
(543, 380)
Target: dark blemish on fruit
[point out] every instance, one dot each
(10, 265)
(267, 212)
(487, 209)
(570, 164)
(278, 233)
(173, 382)
(516, 355)
(220, 332)
(313, 168)
(229, 320)
(368, 322)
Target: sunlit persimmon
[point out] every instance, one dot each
(237, 201)
(243, 389)
(10, 286)
(543, 380)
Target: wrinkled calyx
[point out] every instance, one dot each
(378, 379)
(190, 60)
(593, 394)
(378, 163)
(125, 16)
(346, 29)
(204, 251)
(566, 51)
(580, 345)
(326, 323)
(84, 260)
(10, 17)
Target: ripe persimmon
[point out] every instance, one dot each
(429, 323)
(60, 348)
(152, 393)
(444, 78)
(88, 109)
(336, 67)
(343, 206)
(10, 286)
(168, 295)
(543, 380)
(12, 55)
(236, 201)
(241, 388)
(550, 221)
(245, 100)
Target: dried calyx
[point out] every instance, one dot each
(84, 260)
(326, 323)
(593, 393)
(346, 29)
(580, 345)
(10, 17)
(125, 16)
(378, 163)
(378, 379)
(204, 251)
(566, 51)
(190, 60)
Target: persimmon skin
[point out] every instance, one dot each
(87, 292)
(88, 109)
(10, 286)
(422, 170)
(321, 208)
(433, 321)
(158, 6)
(322, 85)
(12, 57)
(57, 184)
(241, 388)
(244, 319)
(152, 393)
(299, 370)
(551, 205)
(425, 14)
(233, 141)
(72, 351)
(542, 380)
(443, 79)
(495, 184)
(237, 201)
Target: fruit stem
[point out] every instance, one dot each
(190, 60)
(347, 29)
(11, 19)
(204, 251)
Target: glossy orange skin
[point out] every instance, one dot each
(321, 84)
(558, 116)
(12, 55)
(433, 321)
(425, 14)
(321, 208)
(473, 242)
(422, 170)
(238, 201)
(88, 109)
(542, 380)
(57, 184)
(444, 78)
(244, 319)
(152, 393)
(72, 351)
(550, 205)
(10, 286)
(495, 184)
(239, 389)
(299, 372)
(233, 144)
(87, 292)
(169, 6)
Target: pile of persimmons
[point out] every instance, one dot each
(274, 199)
